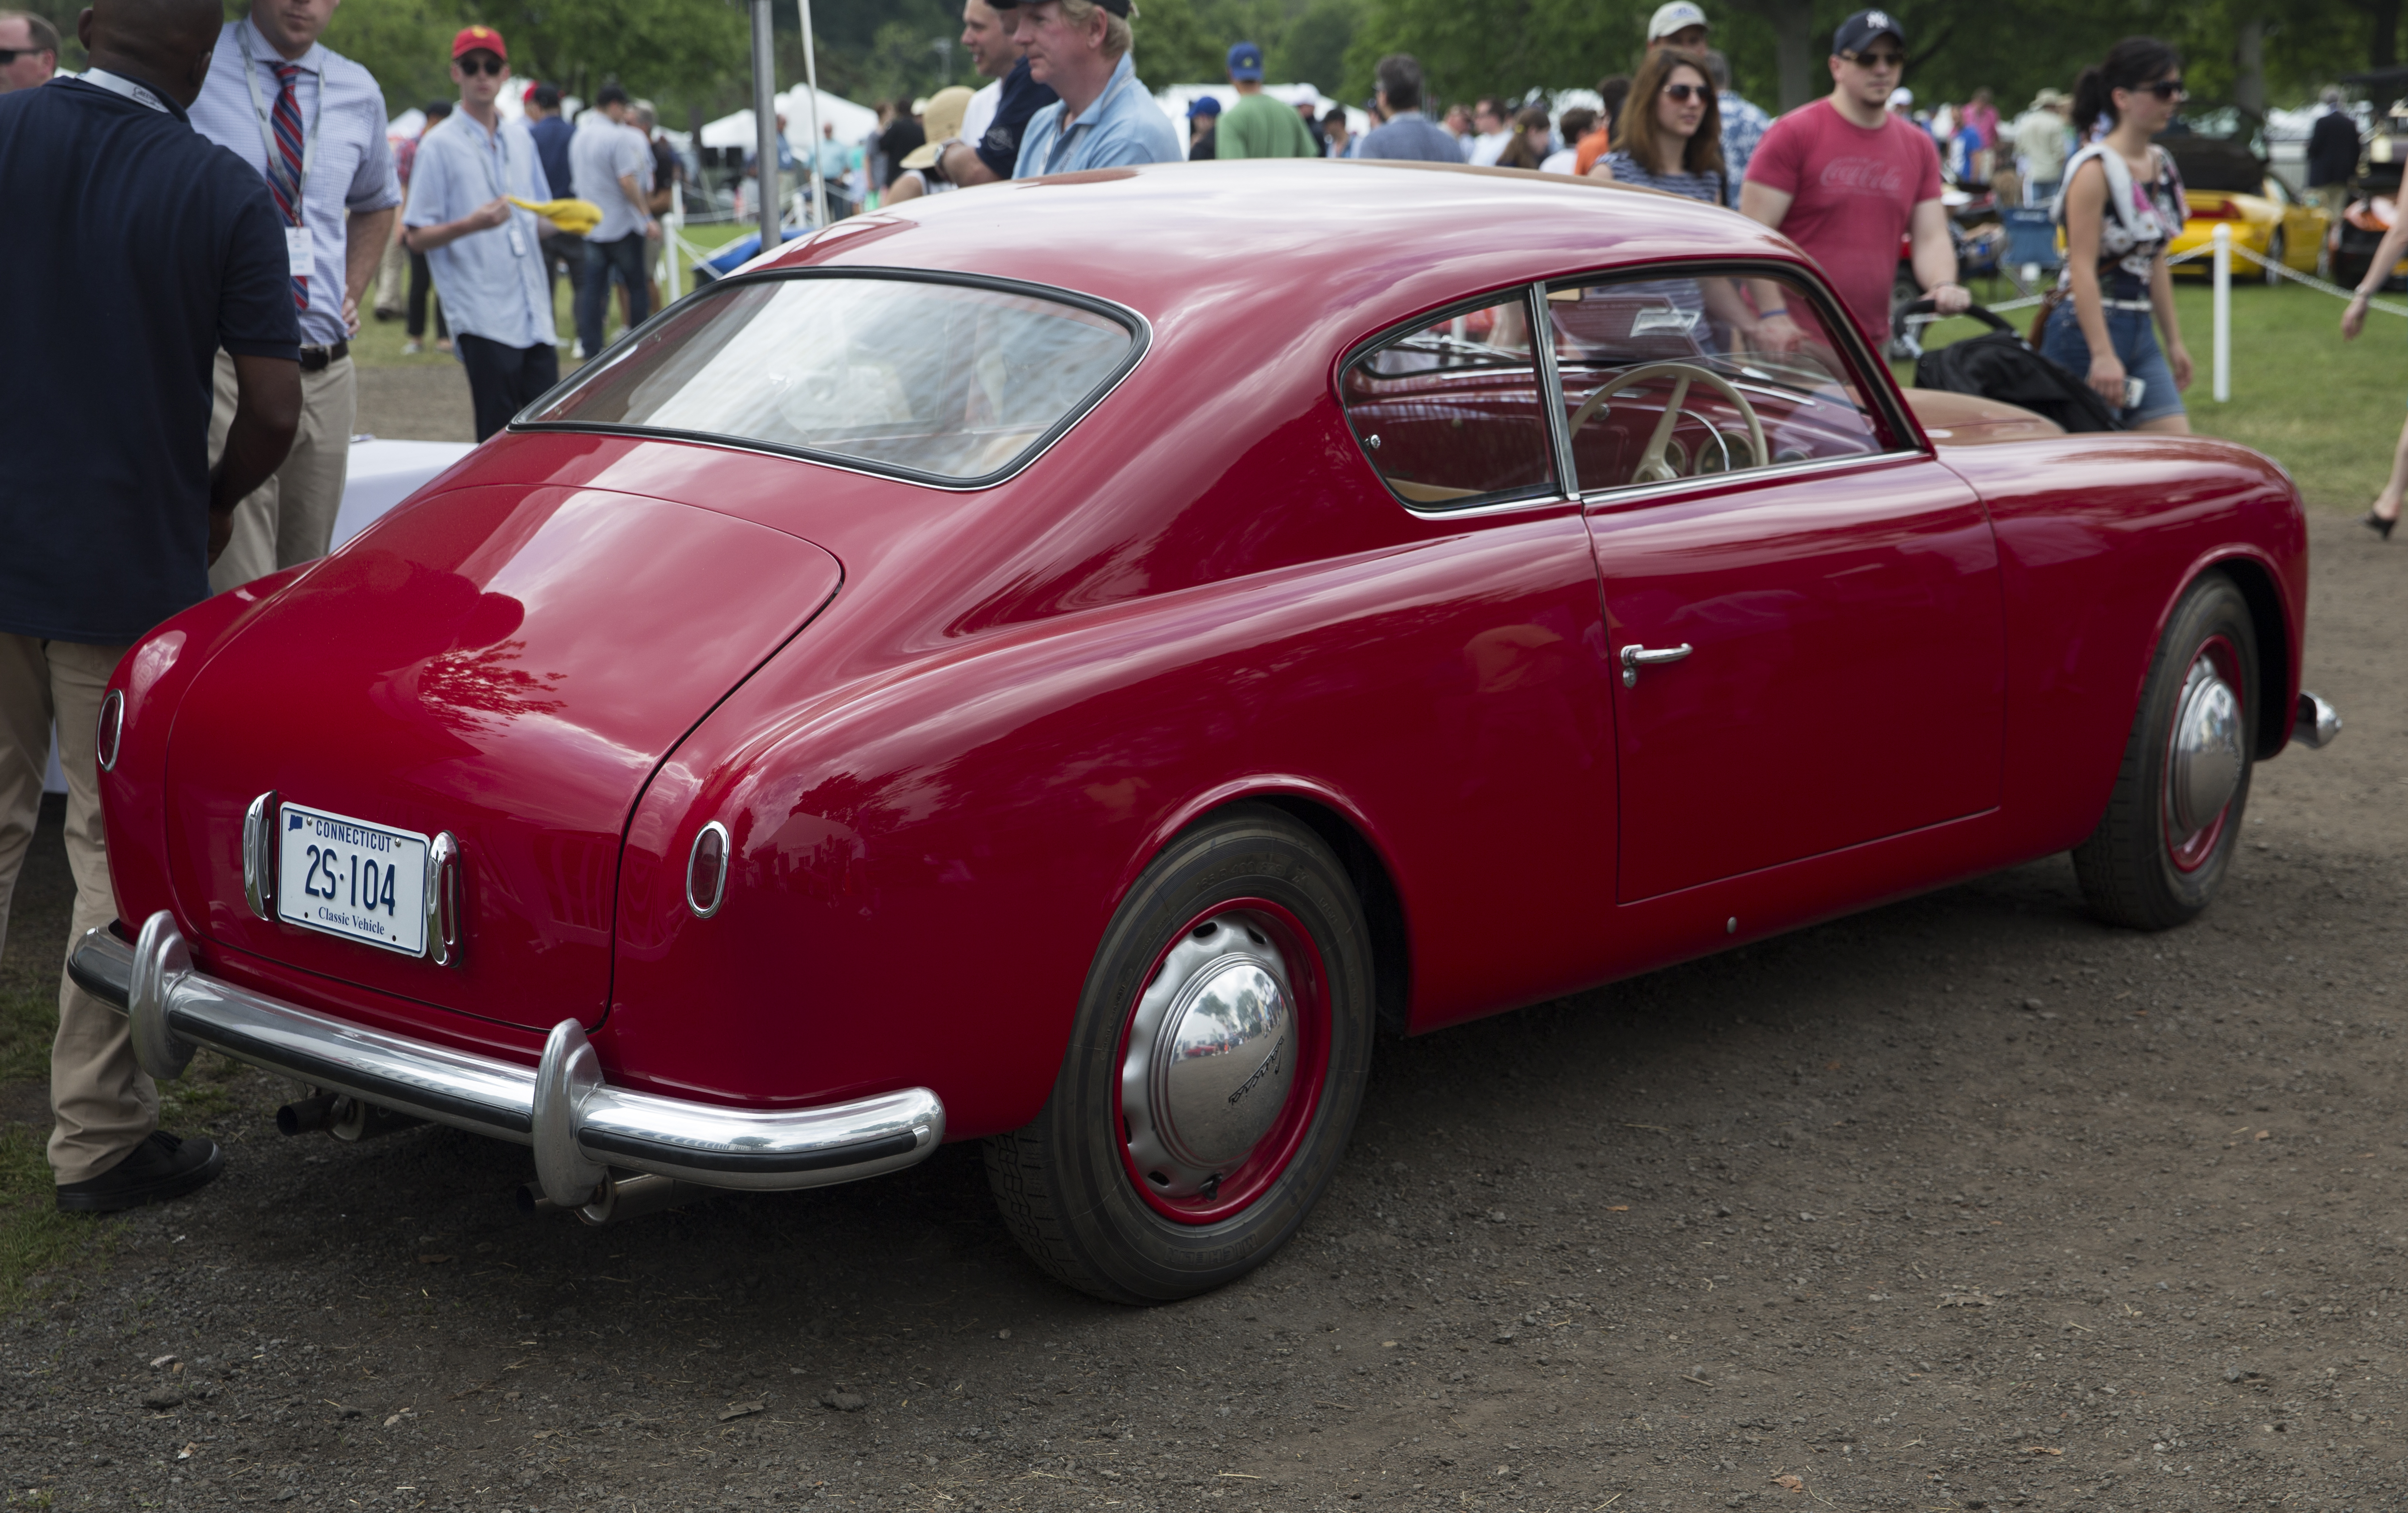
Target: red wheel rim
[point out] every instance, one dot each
(2189, 853)
(1308, 985)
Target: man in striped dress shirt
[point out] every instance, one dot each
(311, 123)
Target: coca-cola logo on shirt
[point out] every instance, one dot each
(1863, 176)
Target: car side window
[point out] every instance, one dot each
(1675, 377)
(1451, 411)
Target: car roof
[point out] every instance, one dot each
(1213, 243)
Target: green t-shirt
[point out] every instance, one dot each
(1258, 126)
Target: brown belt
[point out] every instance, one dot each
(318, 358)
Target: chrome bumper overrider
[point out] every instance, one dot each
(580, 1125)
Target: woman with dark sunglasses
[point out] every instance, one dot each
(2121, 206)
(1670, 133)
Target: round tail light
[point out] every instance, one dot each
(706, 871)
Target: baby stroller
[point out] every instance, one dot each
(1999, 364)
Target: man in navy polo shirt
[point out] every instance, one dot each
(992, 126)
(153, 248)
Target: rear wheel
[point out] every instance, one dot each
(1213, 1073)
(2174, 815)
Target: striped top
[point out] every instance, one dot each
(1626, 170)
(1708, 187)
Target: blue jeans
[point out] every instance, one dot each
(625, 258)
(2133, 333)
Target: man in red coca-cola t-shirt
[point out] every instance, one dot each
(1844, 179)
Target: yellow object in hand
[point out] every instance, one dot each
(577, 217)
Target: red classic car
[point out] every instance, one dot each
(1067, 665)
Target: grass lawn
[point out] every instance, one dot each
(2329, 411)
(379, 342)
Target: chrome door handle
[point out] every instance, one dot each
(1635, 657)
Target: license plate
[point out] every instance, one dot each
(347, 878)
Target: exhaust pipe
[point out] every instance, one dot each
(352, 1121)
(617, 1198)
(624, 1196)
(306, 1114)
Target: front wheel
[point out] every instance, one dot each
(2174, 815)
(1213, 1073)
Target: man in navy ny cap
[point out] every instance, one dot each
(1846, 178)
(1258, 126)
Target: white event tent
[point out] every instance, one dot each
(852, 122)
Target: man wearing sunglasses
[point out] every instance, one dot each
(1845, 178)
(311, 123)
(29, 50)
(487, 254)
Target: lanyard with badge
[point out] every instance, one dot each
(116, 85)
(494, 182)
(297, 252)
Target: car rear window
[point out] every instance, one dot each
(951, 382)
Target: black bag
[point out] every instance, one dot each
(2001, 365)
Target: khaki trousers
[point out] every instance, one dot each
(103, 1103)
(290, 519)
(392, 280)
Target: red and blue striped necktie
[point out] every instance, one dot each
(286, 186)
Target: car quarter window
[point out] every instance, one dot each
(950, 382)
(1679, 377)
(1451, 411)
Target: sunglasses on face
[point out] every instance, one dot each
(2166, 89)
(1684, 94)
(481, 63)
(1876, 61)
(10, 55)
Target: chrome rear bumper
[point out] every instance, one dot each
(578, 1125)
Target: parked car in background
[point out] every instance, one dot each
(2227, 185)
(1068, 668)
(2359, 234)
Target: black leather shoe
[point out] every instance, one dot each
(2379, 524)
(161, 1168)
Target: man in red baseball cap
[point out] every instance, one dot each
(484, 253)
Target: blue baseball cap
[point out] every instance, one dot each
(1245, 63)
(1203, 104)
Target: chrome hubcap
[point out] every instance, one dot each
(1210, 1060)
(2206, 764)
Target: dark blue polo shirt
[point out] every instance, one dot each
(133, 248)
(553, 135)
(1020, 98)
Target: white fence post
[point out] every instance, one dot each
(2223, 313)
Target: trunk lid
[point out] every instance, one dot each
(506, 663)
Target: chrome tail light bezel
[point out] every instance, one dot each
(110, 731)
(696, 859)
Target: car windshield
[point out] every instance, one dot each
(952, 382)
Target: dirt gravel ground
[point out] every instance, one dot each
(1965, 1203)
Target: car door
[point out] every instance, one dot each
(1803, 605)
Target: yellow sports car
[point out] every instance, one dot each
(2227, 186)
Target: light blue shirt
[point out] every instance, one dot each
(1412, 136)
(492, 281)
(600, 153)
(350, 171)
(1123, 126)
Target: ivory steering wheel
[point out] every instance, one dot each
(1651, 467)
